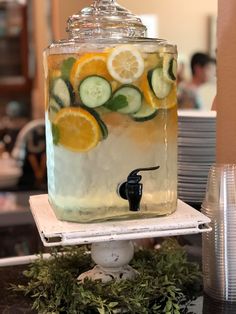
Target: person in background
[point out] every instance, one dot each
(203, 71)
(181, 72)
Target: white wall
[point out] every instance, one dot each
(61, 10)
(183, 22)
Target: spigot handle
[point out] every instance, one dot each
(132, 189)
(136, 171)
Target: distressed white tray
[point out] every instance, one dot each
(53, 232)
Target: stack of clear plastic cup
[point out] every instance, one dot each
(219, 245)
(211, 306)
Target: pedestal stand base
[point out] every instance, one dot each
(106, 275)
(112, 260)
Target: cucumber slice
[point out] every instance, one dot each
(133, 98)
(102, 125)
(62, 91)
(158, 84)
(54, 104)
(103, 128)
(58, 101)
(145, 113)
(53, 108)
(94, 91)
(170, 68)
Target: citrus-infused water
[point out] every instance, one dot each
(110, 110)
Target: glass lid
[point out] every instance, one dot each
(105, 19)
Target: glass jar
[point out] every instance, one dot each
(111, 119)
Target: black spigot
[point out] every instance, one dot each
(132, 189)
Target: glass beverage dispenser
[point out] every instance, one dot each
(111, 119)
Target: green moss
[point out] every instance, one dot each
(167, 284)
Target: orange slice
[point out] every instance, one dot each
(149, 96)
(78, 130)
(89, 64)
(125, 64)
(151, 99)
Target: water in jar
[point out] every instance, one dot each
(108, 112)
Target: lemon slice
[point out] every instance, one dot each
(125, 64)
(89, 64)
(78, 130)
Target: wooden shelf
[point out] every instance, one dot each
(14, 84)
(10, 36)
(14, 69)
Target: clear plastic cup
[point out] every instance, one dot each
(219, 250)
(221, 186)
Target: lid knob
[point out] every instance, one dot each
(105, 19)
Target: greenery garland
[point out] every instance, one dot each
(167, 283)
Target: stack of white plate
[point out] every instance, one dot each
(196, 153)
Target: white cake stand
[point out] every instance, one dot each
(112, 248)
